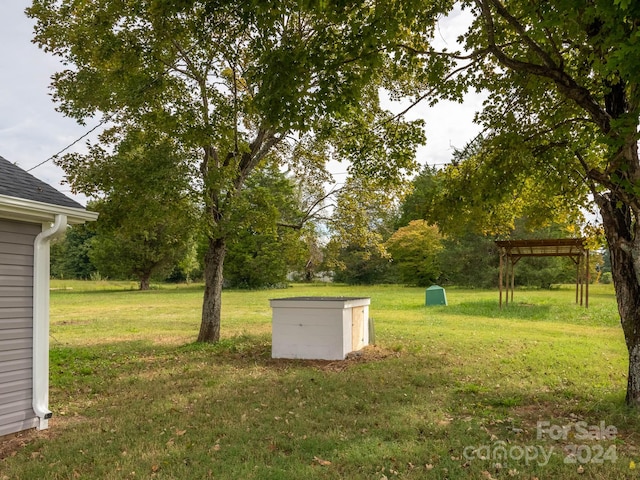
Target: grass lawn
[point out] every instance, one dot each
(462, 391)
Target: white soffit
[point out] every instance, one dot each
(14, 208)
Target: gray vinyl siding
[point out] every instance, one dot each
(16, 323)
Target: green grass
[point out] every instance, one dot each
(134, 397)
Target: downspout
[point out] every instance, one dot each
(41, 269)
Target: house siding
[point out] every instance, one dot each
(16, 325)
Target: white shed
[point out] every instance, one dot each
(324, 328)
(31, 214)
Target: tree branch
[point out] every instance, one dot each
(311, 212)
(565, 83)
(430, 92)
(522, 33)
(587, 177)
(453, 56)
(554, 127)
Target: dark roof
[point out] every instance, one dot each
(15, 182)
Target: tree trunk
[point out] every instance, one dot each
(212, 303)
(145, 281)
(623, 238)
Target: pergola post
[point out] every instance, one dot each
(587, 275)
(513, 277)
(507, 283)
(581, 263)
(577, 262)
(500, 276)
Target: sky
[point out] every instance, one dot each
(32, 131)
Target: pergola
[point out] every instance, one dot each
(511, 251)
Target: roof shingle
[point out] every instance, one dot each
(15, 182)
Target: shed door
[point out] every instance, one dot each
(16, 323)
(357, 328)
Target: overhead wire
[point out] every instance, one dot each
(86, 134)
(108, 117)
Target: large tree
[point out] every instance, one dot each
(561, 118)
(414, 250)
(146, 205)
(264, 251)
(230, 81)
(70, 254)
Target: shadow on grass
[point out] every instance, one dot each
(132, 289)
(229, 405)
(491, 309)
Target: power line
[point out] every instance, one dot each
(55, 155)
(110, 116)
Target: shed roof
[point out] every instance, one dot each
(25, 197)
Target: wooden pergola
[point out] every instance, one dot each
(511, 251)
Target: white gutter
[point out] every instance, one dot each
(40, 394)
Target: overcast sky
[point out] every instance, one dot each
(31, 130)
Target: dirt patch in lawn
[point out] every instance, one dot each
(11, 444)
(368, 354)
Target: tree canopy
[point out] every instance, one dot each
(415, 250)
(70, 254)
(270, 245)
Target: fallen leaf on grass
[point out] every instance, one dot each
(322, 462)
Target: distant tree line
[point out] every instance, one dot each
(425, 243)
(406, 245)
(143, 234)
